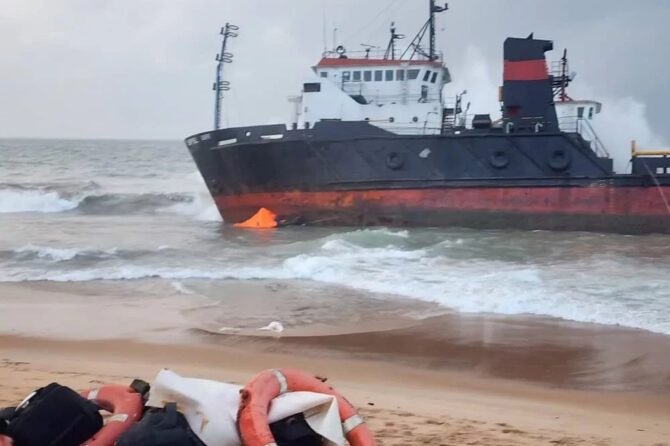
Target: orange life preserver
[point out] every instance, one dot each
(5, 441)
(252, 418)
(124, 403)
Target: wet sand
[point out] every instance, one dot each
(444, 379)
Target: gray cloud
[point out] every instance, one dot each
(143, 68)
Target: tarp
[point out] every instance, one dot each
(210, 407)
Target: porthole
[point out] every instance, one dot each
(499, 159)
(395, 160)
(559, 160)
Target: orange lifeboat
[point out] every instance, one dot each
(263, 219)
(263, 388)
(123, 402)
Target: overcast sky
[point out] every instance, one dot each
(144, 68)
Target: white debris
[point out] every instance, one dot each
(275, 327)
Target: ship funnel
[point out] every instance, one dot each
(527, 92)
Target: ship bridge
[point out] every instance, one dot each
(399, 95)
(398, 91)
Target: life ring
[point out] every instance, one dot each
(5, 441)
(395, 160)
(499, 159)
(257, 394)
(559, 160)
(125, 404)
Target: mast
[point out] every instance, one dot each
(560, 78)
(390, 50)
(228, 31)
(564, 76)
(434, 9)
(416, 46)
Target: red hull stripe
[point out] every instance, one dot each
(525, 70)
(606, 201)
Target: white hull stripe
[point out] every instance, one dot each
(283, 384)
(351, 423)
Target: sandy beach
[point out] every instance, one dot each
(470, 243)
(476, 380)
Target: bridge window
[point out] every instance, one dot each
(346, 76)
(312, 87)
(400, 75)
(357, 76)
(434, 78)
(591, 113)
(426, 76)
(413, 74)
(367, 76)
(580, 112)
(379, 75)
(389, 75)
(324, 74)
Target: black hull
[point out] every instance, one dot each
(355, 173)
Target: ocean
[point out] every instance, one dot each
(74, 211)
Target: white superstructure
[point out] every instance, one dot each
(402, 96)
(571, 111)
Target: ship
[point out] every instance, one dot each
(374, 140)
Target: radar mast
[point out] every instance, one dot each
(229, 31)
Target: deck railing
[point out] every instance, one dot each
(356, 88)
(575, 124)
(375, 54)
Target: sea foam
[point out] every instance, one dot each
(613, 289)
(17, 201)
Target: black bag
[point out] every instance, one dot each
(160, 427)
(294, 431)
(53, 416)
(6, 414)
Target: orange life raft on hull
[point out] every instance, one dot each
(263, 219)
(263, 388)
(123, 402)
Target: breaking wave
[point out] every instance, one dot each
(198, 207)
(611, 288)
(16, 200)
(55, 255)
(46, 200)
(121, 204)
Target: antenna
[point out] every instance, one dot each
(390, 50)
(415, 46)
(325, 38)
(434, 9)
(562, 78)
(224, 57)
(367, 49)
